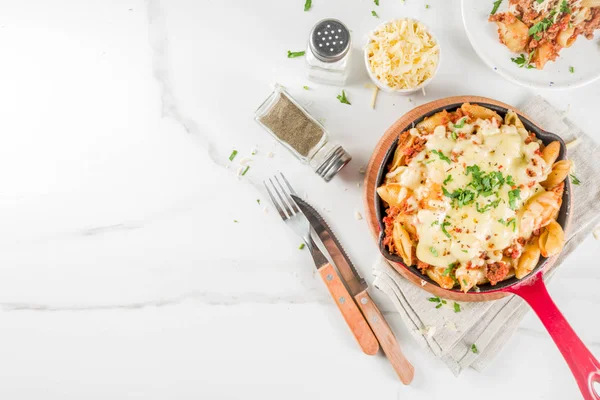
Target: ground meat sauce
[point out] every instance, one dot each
(388, 221)
(496, 272)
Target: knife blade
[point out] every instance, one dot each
(357, 287)
(356, 284)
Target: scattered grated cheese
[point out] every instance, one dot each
(597, 233)
(374, 97)
(450, 326)
(270, 154)
(357, 184)
(362, 170)
(357, 215)
(573, 143)
(245, 160)
(423, 283)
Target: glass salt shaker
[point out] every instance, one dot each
(305, 137)
(328, 52)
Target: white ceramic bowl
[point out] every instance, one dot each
(382, 85)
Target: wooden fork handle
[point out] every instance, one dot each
(387, 340)
(355, 320)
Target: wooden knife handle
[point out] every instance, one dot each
(355, 320)
(387, 340)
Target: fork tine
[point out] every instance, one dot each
(287, 196)
(283, 203)
(288, 185)
(277, 206)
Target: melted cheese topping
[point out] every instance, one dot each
(452, 233)
(402, 54)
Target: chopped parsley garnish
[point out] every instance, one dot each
(307, 5)
(235, 221)
(343, 99)
(258, 201)
(376, 2)
(539, 1)
(474, 348)
(434, 299)
(444, 225)
(513, 195)
(496, 5)
(450, 269)
(465, 251)
(460, 123)
(512, 222)
(373, 13)
(441, 156)
(448, 179)
(488, 206)
(456, 307)
(509, 181)
(439, 305)
(245, 170)
(574, 179)
(541, 26)
(433, 251)
(454, 135)
(572, 69)
(564, 7)
(460, 197)
(435, 223)
(484, 183)
(293, 54)
(523, 61)
(301, 246)
(426, 5)
(305, 87)
(464, 281)
(233, 154)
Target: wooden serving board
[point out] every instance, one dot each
(371, 180)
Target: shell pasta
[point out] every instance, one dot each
(472, 198)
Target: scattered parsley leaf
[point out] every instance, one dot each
(439, 305)
(513, 195)
(456, 307)
(435, 223)
(541, 26)
(460, 123)
(258, 201)
(343, 99)
(511, 222)
(448, 179)
(373, 13)
(444, 225)
(496, 5)
(245, 170)
(444, 301)
(301, 246)
(488, 206)
(233, 154)
(454, 135)
(293, 54)
(464, 281)
(460, 197)
(235, 221)
(574, 179)
(376, 2)
(523, 61)
(572, 69)
(564, 7)
(307, 5)
(434, 299)
(426, 5)
(305, 87)
(539, 1)
(450, 269)
(509, 181)
(441, 156)
(474, 348)
(433, 251)
(465, 251)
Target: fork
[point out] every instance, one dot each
(295, 219)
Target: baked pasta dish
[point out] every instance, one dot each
(541, 28)
(472, 198)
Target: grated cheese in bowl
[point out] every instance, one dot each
(402, 56)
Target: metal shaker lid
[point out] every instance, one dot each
(329, 40)
(333, 163)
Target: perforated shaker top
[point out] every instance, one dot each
(329, 40)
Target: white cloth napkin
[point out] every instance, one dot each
(450, 335)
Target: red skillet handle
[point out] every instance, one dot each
(585, 368)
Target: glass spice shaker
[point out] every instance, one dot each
(306, 138)
(328, 52)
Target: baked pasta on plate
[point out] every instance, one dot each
(536, 43)
(472, 197)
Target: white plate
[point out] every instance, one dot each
(583, 56)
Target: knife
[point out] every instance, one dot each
(358, 289)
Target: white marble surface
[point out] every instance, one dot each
(122, 273)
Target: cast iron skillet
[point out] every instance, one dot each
(584, 366)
